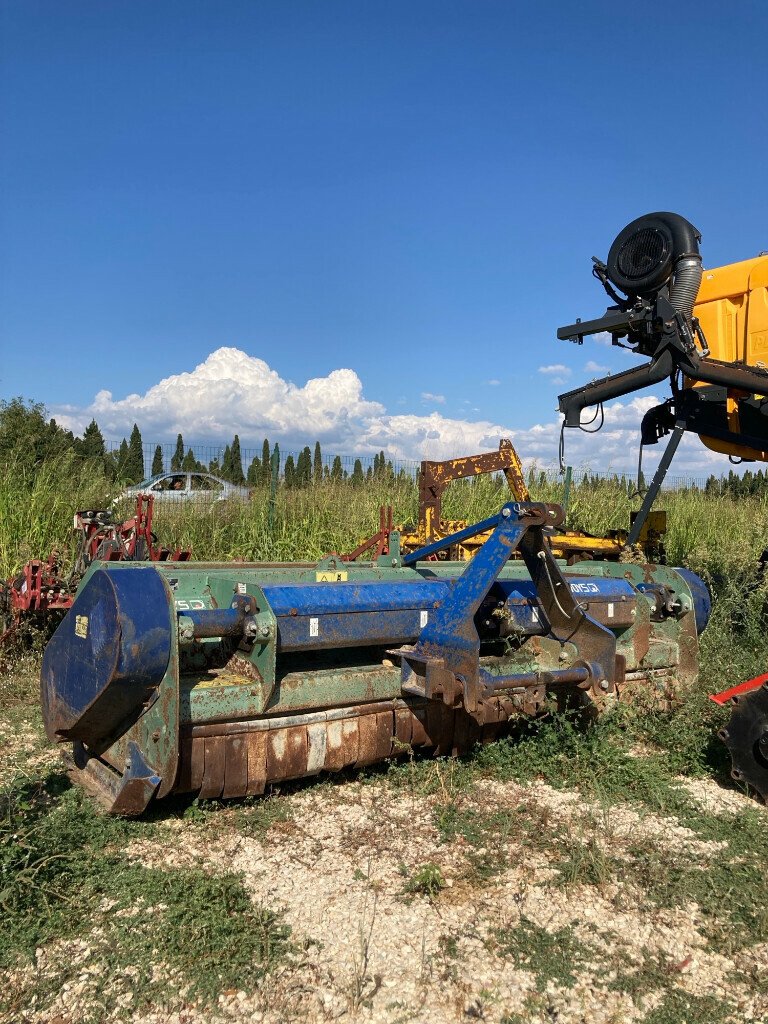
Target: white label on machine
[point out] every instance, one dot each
(423, 619)
(610, 610)
(314, 627)
(241, 588)
(535, 614)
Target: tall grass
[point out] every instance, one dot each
(718, 535)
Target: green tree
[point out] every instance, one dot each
(266, 468)
(236, 463)
(26, 438)
(157, 462)
(226, 464)
(358, 478)
(253, 476)
(92, 445)
(290, 472)
(120, 460)
(304, 467)
(178, 456)
(337, 472)
(189, 463)
(214, 466)
(135, 465)
(317, 464)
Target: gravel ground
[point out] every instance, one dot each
(378, 954)
(369, 950)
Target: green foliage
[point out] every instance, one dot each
(551, 956)
(426, 880)
(254, 472)
(189, 464)
(304, 468)
(290, 472)
(157, 462)
(266, 470)
(178, 456)
(27, 439)
(134, 466)
(92, 444)
(62, 873)
(236, 475)
(357, 474)
(317, 464)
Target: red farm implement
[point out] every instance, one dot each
(41, 591)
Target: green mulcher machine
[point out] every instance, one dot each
(220, 679)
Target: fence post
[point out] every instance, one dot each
(274, 464)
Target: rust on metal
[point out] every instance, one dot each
(286, 753)
(213, 770)
(257, 762)
(236, 766)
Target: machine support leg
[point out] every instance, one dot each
(658, 479)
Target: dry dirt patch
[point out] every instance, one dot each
(375, 952)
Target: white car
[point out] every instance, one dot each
(187, 487)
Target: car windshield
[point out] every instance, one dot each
(149, 481)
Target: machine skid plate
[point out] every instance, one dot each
(221, 680)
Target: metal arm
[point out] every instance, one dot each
(444, 664)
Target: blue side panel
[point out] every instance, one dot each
(702, 599)
(107, 656)
(325, 615)
(370, 596)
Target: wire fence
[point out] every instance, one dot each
(163, 459)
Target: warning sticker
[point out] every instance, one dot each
(423, 619)
(331, 576)
(81, 626)
(314, 627)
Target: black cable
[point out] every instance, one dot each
(599, 411)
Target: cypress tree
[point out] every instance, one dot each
(357, 474)
(178, 455)
(121, 463)
(236, 463)
(305, 467)
(157, 462)
(135, 466)
(254, 472)
(226, 464)
(337, 472)
(317, 467)
(290, 472)
(189, 463)
(92, 445)
(266, 468)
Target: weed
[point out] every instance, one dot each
(681, 1007)
(426, 881)
(550, 956)
(62, 875)
(585, 863)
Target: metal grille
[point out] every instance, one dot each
(642, 253)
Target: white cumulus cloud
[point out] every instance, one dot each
(427, 396)
(233, 392)
(555, 370)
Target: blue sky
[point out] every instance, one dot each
(412, 191)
